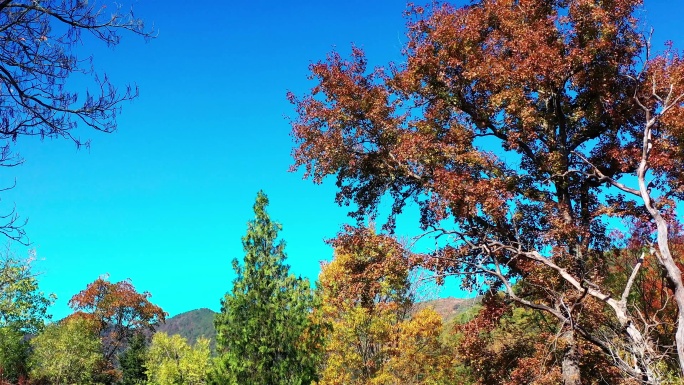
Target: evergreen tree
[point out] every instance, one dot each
(132, 361)
(264, 331)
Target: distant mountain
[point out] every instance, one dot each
(449, 308)
(191, 325)
(200, 322)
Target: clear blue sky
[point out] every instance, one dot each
(164, 201)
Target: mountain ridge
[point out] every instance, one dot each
(197, 323)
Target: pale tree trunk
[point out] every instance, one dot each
(674, 275)
(570, 365)
(664, 256)
(641, 364)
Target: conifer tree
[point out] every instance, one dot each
(132, 361)
(264, 330)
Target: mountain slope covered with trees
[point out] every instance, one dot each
(191, 325)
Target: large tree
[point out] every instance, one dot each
(38, 46)
(520, 128)
(264, 329)
(118, 313)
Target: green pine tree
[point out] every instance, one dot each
(132, 362)
(264, 331)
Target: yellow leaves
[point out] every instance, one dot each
(364, 297)
(368, 269)
(422, 357)
(377, 349)
(170, 360)
(67, 352)
(370, 340)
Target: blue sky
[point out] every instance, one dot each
(164, 201)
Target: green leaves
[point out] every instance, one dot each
(23, 310)
(68, 352)
(14, 351)
(172, 361)
(22, 305)
(132, 362)
(264, 331)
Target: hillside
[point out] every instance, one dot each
(200, 322)
(449, 307)
(191, 325)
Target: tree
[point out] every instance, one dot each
(132, 361)
(264, 330)
(508, 344)
(364, 296)
(515, 126)
(23, 311)
(172, 361)
(118, 313)
(36, 61)
(371, 337)
(14, 354)
(420, 355)
(68, 352)
(22, 305)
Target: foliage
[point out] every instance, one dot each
(365, 303)
(515, 126)
(23, 310)
(420, 355)
(369, 270)
(132, 361)
(68, 352)
(14, 353)
(22, 305)
(118, 313)
(171, 361)
(37, 58)
(504, 343)
(364, 294)
(265, 334)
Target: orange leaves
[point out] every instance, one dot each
(118, 311)
(364, 296)
(119, 302)
(516, 127)
(506, 344)
(663, 95)
(346, 109)
(369, 270)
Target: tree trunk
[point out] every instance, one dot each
(570, 365)
(664, 256)
(674, 275)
